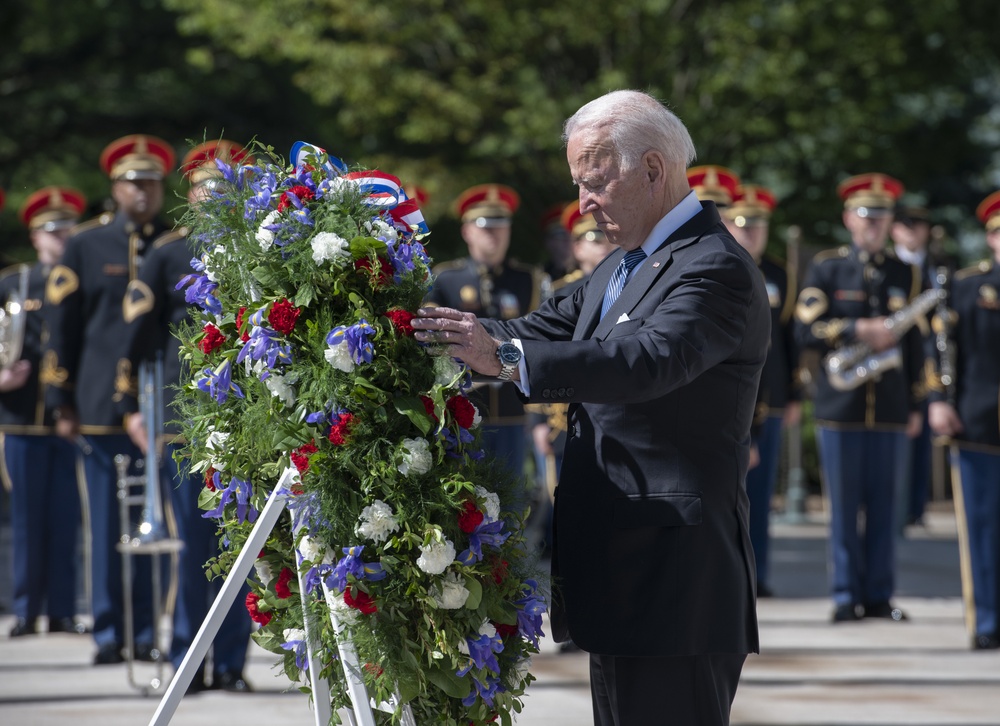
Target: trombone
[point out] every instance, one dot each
(151, 536)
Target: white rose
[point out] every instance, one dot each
(377, 522)
(487, 628)
(446, 371)
(476, 417)
(450, 593)
(217, 444)
(378, 228)
(291, 634)
(339, 356)
(344, 612)
(314, 551)
(491, 502)
(264, 572)
(265, 237)
(417, 457)
(329, 246)
(436, 556)
(282, 387)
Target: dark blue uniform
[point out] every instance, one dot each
(91, 374)
(153, 308)
(45, 500)
(975, 335)
(777, 389)
(504, 292)
(861, 431)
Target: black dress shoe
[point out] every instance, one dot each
(66, 625)
(147, 652)
(108, 654)
(23, 627)
(845, 614)
(884, 610)
(986, 642)
(230, 681)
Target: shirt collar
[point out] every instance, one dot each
(683, 211)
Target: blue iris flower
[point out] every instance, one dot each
(487, 689)
(263, 344)
(529, 613)
(487, 533)
(201, 292)
(352, 565)
(263, 189)
(219, 383)
(245, 512)
(357, 337)
(299, 648)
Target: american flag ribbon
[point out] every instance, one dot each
(302, 151)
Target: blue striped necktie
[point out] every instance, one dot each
(618, 280)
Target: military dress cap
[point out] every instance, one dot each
(988, 211)
(713, 183)
(199, 166)
(552, 216)
(52, 208)
(137, 156)
(870, 195)
(580, 226)
(752, 205)
(912, 213)
(487, 205)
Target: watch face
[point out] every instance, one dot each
(509, 354)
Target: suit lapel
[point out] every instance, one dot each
(590, 313)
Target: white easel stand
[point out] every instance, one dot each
(362, 708)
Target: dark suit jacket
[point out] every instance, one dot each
(652, 556)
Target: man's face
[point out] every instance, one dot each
(487, 245)
(752, 236)
(138, 199)
(50, 245)
(911, 235)
(622, 203)
(868, 233)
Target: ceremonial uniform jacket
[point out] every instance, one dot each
(777, 381)
(975, 333)
(652, 555)
(90, 368)
(507, 291)
(23, 411)
(841, 286)
(153, 308)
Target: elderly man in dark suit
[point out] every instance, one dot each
(659, 356)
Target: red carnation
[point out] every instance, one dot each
(378, 278)
(210, 479)
(504, 630)
(341, 428)
(244, 336)
(470, 518)
(281, 588)
(499, 569)
(303, 193)
(375, 670)
(212, 340)
(361, 601)
(400, 320)
(282, 316)
(300, 456)
(462, 411)
(255, 614)
(429, 407)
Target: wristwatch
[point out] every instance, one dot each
(509, 356)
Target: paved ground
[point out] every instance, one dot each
(810, 672)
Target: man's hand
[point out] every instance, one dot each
(943, 419)
(14, 377)
(754, 457)
(873, 332)
(67, 424)
(540, 437)
(463, 337)
(135, 427)
(914, 424)
(793, 413)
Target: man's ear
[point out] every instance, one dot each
(654, 166)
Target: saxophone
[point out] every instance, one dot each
(851, 365)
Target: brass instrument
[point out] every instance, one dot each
(12, 319)
(151, 537)
(851, 365)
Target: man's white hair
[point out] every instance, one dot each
(635, 123)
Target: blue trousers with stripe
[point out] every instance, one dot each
(980, 474)
(760, 488)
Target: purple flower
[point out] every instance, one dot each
(201, 292)
(263, 344)
(352, 565)
(486, 533)
(357, 338)
(529, 612)
(263, 189)
(299, 648)
(403, 256)
(486, 689)
(241, 490)
(219, 383)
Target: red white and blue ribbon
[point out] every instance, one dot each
(302, 151)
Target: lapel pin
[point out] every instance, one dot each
(656, 264)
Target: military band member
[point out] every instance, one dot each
(490, 285)
(90, 371)
(45, 501)
(847, 296)
(153, 308)
(557, 242)
(967, 410)
(748, 220)
(713, 183)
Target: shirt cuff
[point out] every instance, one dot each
(522, 370)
